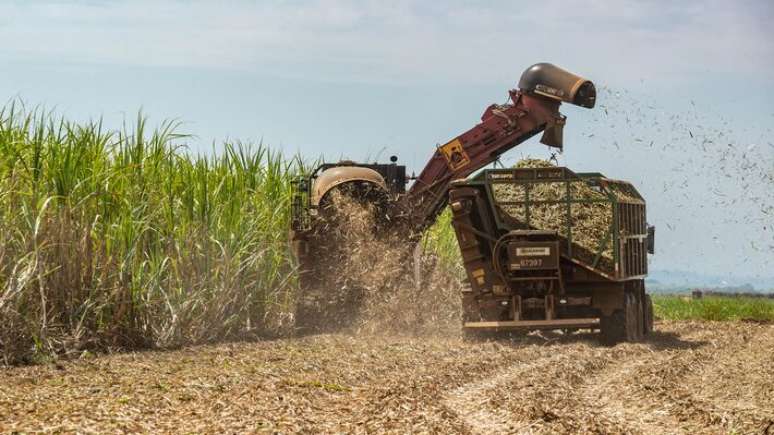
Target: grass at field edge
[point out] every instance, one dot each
(714, 308)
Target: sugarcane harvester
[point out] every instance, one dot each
(532, 108)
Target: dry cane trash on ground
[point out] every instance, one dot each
(688, 378)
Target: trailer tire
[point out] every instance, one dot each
(638, 309)
(625, 324)
(648, 309)
(613, 327)
(634, 317)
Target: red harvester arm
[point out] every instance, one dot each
(501, 128)
(533, 108)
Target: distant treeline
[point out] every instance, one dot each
(702, 293)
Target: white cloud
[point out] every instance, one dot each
(398, 41)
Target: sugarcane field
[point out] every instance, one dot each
(357, 217)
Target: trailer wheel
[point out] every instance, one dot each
(638, 314)
(648, 311)
(613, 327)
(634, 317)
(625, 324)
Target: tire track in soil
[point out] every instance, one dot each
(547, 400)
(614, 390)
(731, 390)
(470, 402)
(659, 386)
(743, 384)
(658, 392)
(536, 394)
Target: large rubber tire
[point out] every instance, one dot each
(648, 311)
(625, 324)
(613, 327)
(638, 313)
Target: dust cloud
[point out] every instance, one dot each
(387, 282)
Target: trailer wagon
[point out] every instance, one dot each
(546, 248)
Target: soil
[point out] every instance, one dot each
(688, 377)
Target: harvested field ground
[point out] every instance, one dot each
(689, 377)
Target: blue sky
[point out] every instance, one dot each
(685, 110)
